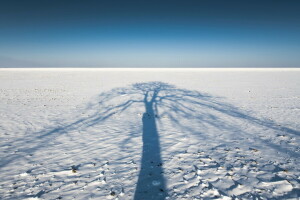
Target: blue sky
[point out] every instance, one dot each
(150, 33)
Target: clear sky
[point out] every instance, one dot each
(150, 33)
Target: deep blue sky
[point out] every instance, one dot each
(150, 33)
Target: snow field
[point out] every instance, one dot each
(80, 134)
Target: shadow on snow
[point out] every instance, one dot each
(159, 100)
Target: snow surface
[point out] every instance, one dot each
(149, 134)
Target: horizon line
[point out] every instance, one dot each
(153, 68)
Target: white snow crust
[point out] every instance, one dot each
(84, 134)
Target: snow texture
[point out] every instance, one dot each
(149, 134)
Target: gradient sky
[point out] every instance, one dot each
(150, 33)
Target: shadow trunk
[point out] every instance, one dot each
(151, 183)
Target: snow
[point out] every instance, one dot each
(149, 133)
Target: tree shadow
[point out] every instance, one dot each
(159, 100)
(151, 182)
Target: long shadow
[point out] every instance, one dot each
(151, 182)
(163, 100)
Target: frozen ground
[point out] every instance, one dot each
(149, 134)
